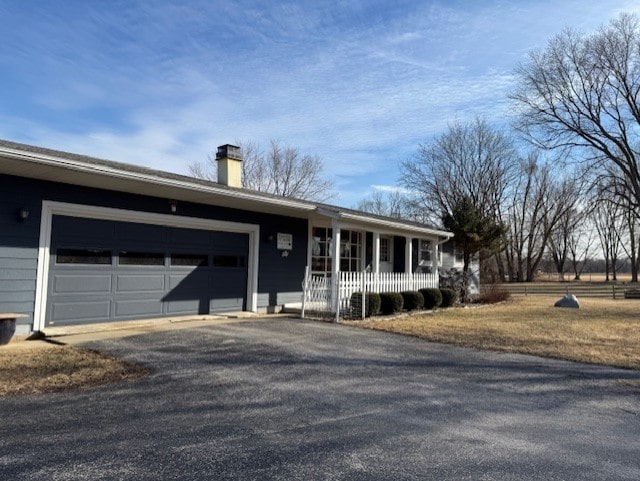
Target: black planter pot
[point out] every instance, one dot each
(7, 330)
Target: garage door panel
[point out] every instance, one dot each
(188, 306)
(230, 242)
(189, 237)
(138, 307)
(140, 283)
(80, 311)
(225, 293)
(226, 304)
(224, 281)
(140, 234)
(71, 230)
(86, 283)
(196, 279)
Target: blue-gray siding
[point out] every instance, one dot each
(18, 252)
(279, 278)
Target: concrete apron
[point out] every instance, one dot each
(111, 330)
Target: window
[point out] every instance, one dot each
(321, 250)
(458, 254)
(350, 251)
(126, 258)
(228, 261)
(193, 260)
(385, 249)
(424, 254)
(83, 256)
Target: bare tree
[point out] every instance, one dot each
(580, 243)
(540, 200)
(282, 170)
(571, 239)
(389, 204)
(609, 222)
(470, 160)
(559, 243)
(582, 93)
(631, 245)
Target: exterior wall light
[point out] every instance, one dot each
(174, 206)
(23, 214)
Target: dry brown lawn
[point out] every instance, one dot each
(59, 368)
(602, 331)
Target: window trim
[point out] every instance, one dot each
(425, 262)
(458, 255)
(388, 241)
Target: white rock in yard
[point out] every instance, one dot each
(568, 301)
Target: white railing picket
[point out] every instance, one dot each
(317, 290)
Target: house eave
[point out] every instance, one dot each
(397, 225)
(56, 166)
(70, 171)
(386, 224)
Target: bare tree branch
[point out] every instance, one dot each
(283, 170)
(582, 94)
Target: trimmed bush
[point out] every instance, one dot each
(432, 298)
(371, 304)
(412, 300)
(391, 302)
(449, 297)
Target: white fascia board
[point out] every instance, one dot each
(396, 225)
(110, 171)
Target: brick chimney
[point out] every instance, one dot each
(229, 158)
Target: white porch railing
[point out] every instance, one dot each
(318, 291)
(350, 282)
(316, 294)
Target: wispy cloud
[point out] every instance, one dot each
(360, 84)
(390, 188)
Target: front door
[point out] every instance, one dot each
(386, 254)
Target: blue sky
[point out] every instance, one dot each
(359, 83)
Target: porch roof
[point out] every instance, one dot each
(373, 222)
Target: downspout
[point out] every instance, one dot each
(437, 263)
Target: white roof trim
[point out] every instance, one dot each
(150, 178)
(399, 225)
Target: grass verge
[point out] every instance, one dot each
(59, 368)
(602, 331)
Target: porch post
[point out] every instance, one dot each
(335, 265)
(376, 253)
(408, 252)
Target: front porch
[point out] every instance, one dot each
(332, 295)
(346, 256)
(362, 250)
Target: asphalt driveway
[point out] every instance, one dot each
(286, 399)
